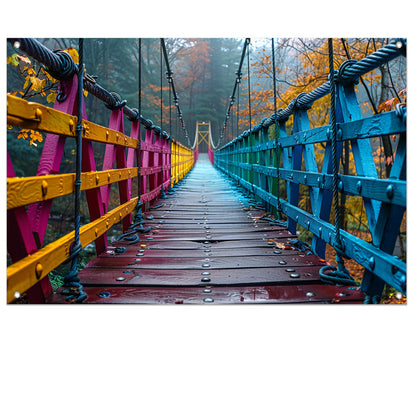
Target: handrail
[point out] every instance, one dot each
(349, 72)
(163, 162)
(61, 66)
(251, 159)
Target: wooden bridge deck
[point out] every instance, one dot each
(207, 244)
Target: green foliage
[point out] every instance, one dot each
(56, 277)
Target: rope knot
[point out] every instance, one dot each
(340, 77)
(331, 275)
(147, 123)
(136, 116)
(280, 116)
(67, 66)
(299, 105)
(118, 102)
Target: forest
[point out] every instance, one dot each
(204, 72)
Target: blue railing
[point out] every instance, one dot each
(262, 165)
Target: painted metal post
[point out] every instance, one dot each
(51, 158)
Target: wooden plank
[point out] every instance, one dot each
(263, 294)
(198, 250)
(129, 275)
(213, 236)
(209, 263)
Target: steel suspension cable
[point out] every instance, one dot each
(276, 135)
(175, 96)
(138, 219)
(236, 86)
(74, 289)
(248, 86)
(342, 275)
(238, 108)
(335, 163)
(161, 86)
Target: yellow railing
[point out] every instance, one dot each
(29, 269)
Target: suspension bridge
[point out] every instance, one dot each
(211, 228)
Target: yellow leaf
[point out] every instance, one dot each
(51, 97)
(23, 134)
(73, 53)
(36, 83)
(26, 82)
(35, 136)
(13, 59)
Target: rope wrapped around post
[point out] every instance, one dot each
(338, 275)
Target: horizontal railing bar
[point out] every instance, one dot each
(28, 271)
(387, 267)
(392, 191)
(35, 116)
(23, 191)
(39, 117)
(373, 126)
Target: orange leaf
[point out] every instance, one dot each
(402, 92)
(24, 59)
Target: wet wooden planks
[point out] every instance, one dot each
(208, 244)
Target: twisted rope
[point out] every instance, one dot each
(175, 96)
(276, 136)
(71, 281)
(351, 73)
(333, 124)
(61, 66)
(59, 63)
(340, 275)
